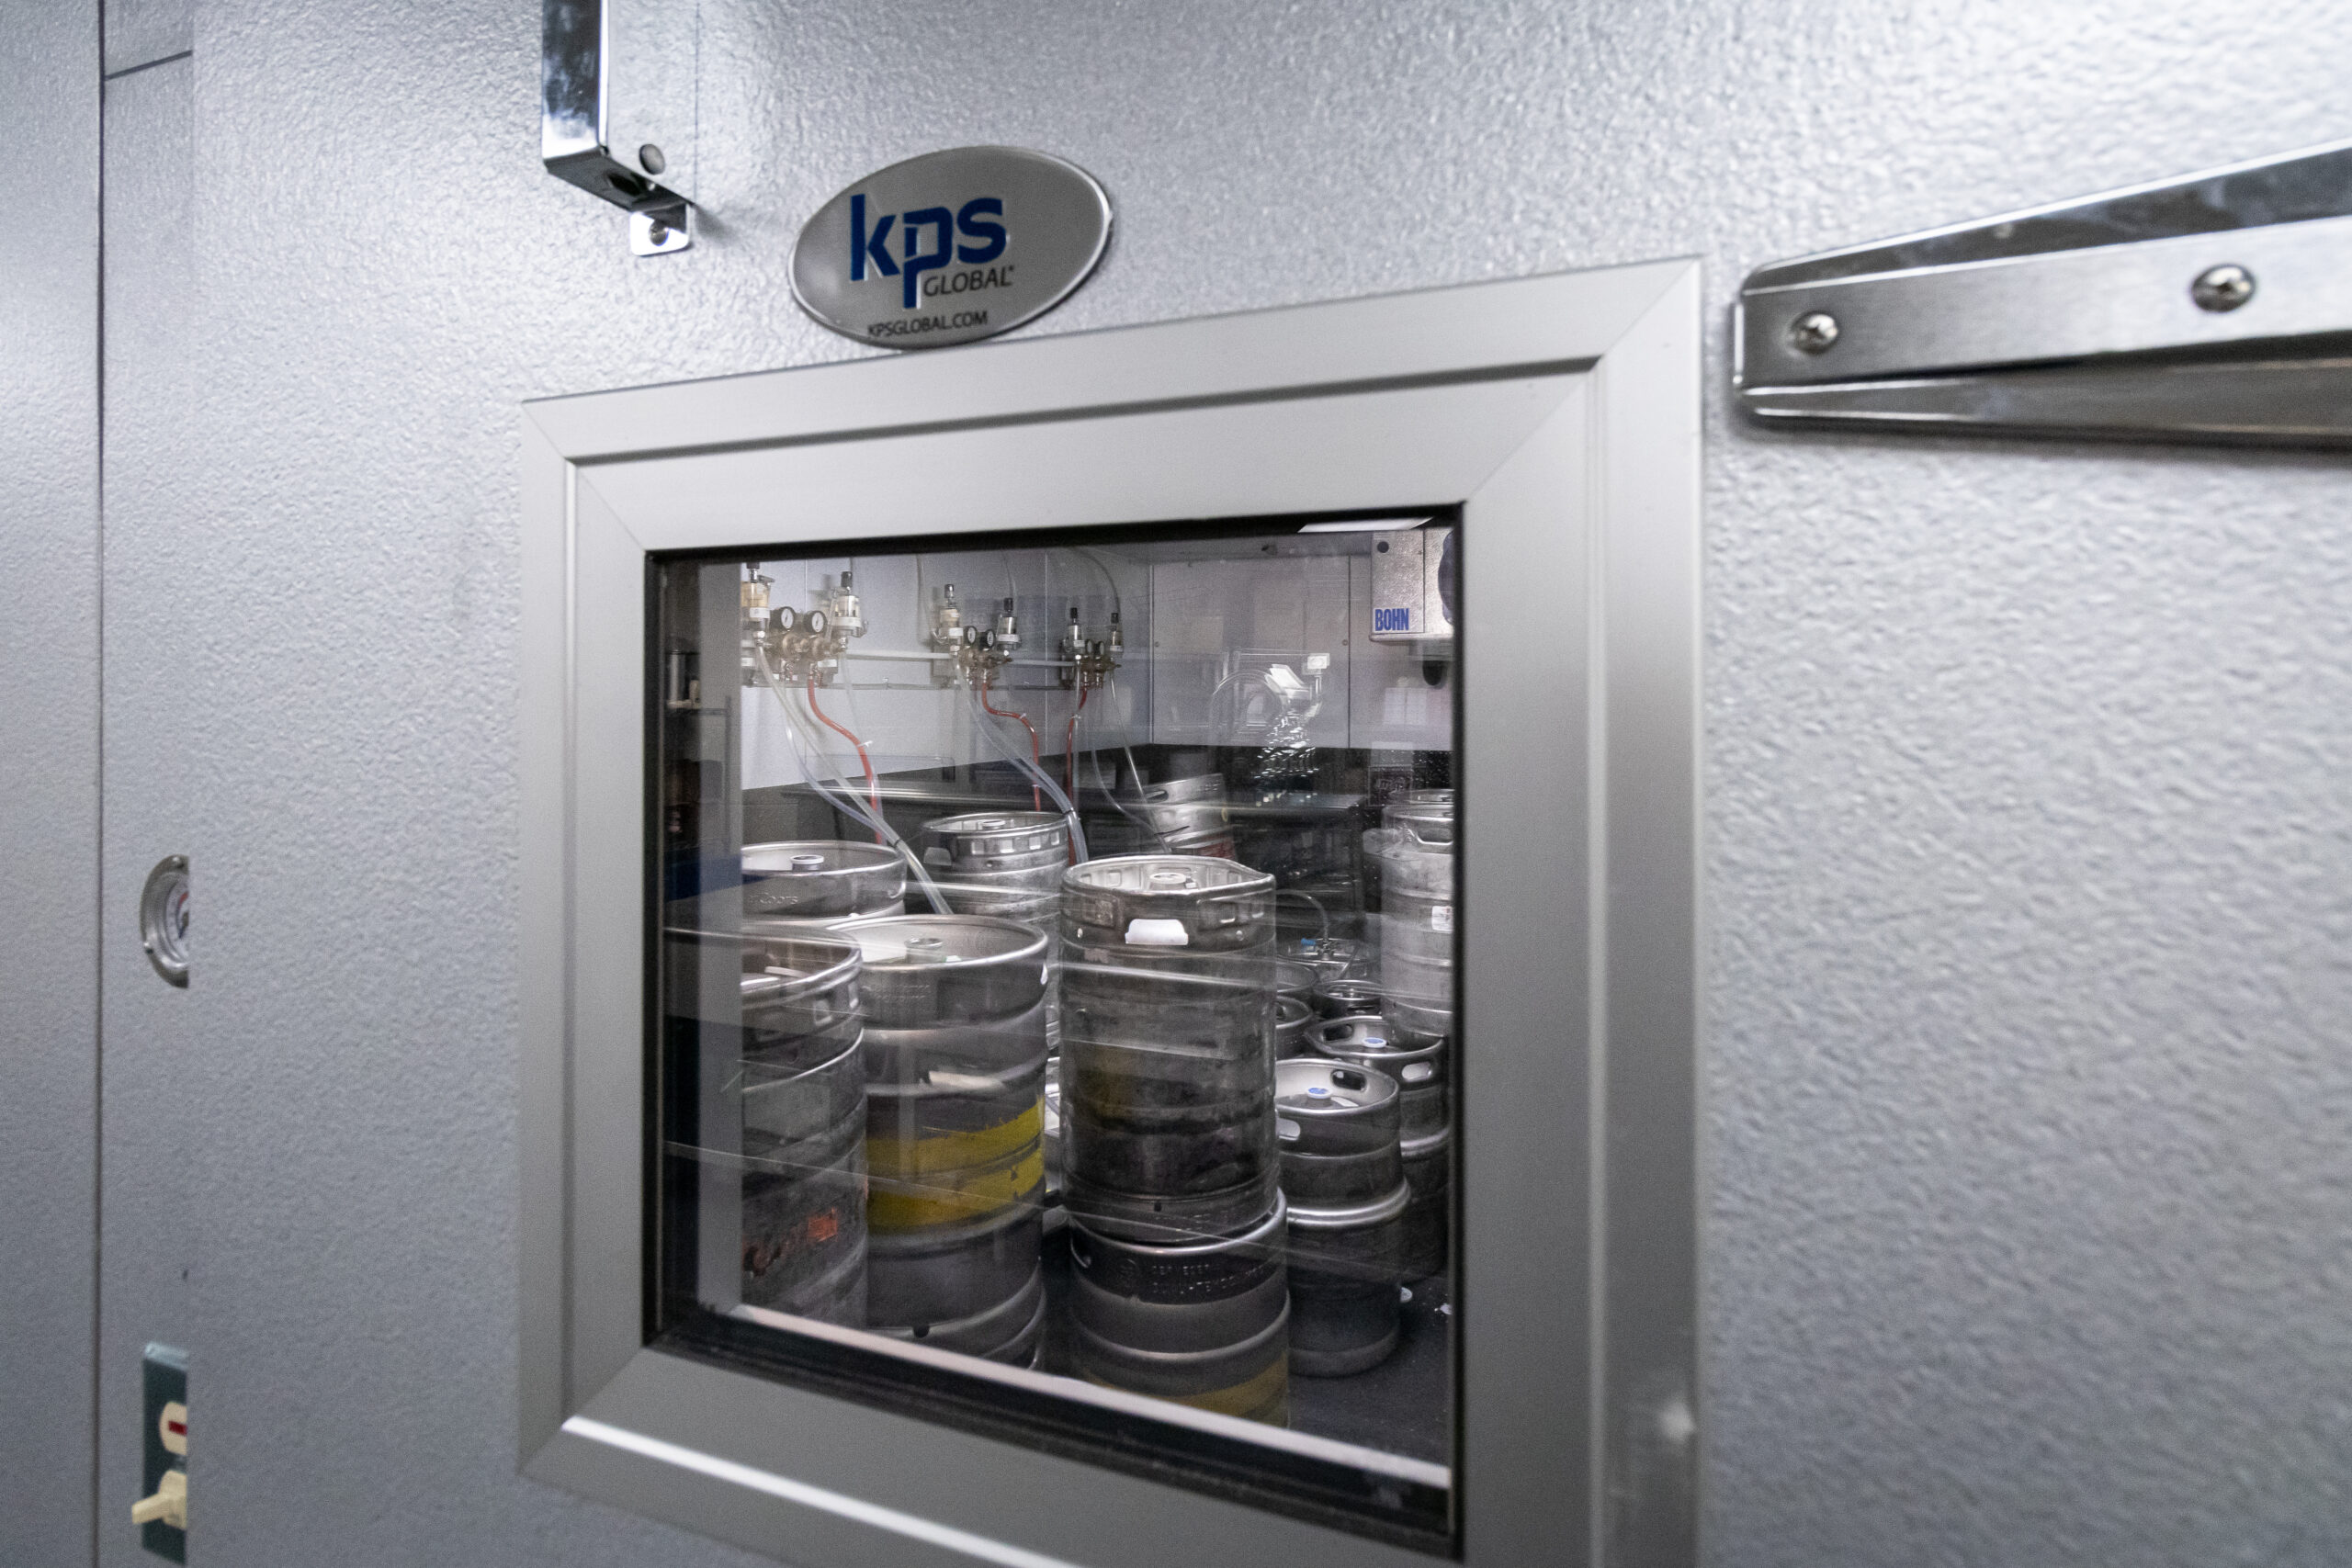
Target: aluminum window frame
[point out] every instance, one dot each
(1563, 414)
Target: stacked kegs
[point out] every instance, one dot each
(1166, 1027)
(802, 1091)
(1418, 1066)
(1173, 1171)
(954, 1060)
(1414, 851)
(1010, 865)
(1188, 814)
(1343, 1178)
(822, 879)
(1292, 1017)
(1294, 985)
(1203, 1322)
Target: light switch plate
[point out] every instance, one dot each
(164, 1380)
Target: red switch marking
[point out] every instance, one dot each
(176, 1428)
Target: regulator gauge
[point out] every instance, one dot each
(163, 918)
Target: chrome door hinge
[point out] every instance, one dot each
(575, 95)
(2213, 308)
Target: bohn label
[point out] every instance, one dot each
(950, 247)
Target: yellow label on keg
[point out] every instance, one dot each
(946, 1152)
(896, 1205)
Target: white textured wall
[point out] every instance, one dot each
(2026, 1085)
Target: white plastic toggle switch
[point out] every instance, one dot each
(168, 1505)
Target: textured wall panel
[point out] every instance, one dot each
(141, 32)
(48, 783)
(2025, 1097)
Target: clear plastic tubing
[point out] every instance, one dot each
(844, 802)
(1036, 774)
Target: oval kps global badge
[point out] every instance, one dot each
(951, 246)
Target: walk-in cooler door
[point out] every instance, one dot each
(1110, 934)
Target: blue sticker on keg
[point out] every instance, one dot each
(1316, 1091)
(1375, 1039)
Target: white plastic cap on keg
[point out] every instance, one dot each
(807, 862)
(1157, 933)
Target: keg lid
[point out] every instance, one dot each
(818, 857)
(828, 878)
(1167, 900)
(913, 941)
(924, 970)
(979, 837)
(1367, 1038)
(1306, 1087)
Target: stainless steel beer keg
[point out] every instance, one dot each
(808, 879)
(1056, 1214)
(1294, 985)
(999, 862)
(1008, 864)
(1009, 1331)
(954, 1057)
(1428, 814)
(1292, 1017)
(1168, 1045)
(1343, 1180)
(1429, 1212)
(1187, 809)
(1416, 860)
(1419, 1069)
(997, 841)
(1335, 957)
(1205, 1323)
(801, 1089)
(1345, 996)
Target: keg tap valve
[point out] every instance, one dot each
(1086, 663)
(947, 622)
(983, 652)
(754, 590)
(801, 646)
(842, 610)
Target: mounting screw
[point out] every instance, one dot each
(657, 231)
(649, 159)
(2222, 288)
(1813, 332)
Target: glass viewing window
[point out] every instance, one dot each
(1054, 1014)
